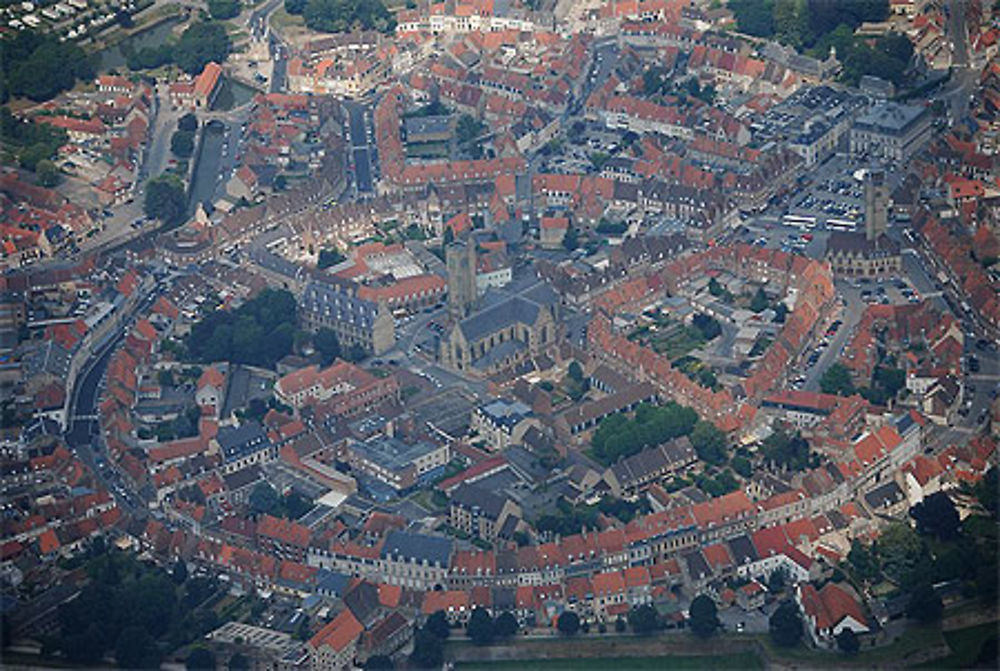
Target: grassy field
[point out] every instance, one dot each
(678, 663)
(282, 19)
(427, 150)
(965, 645)
(912, 641)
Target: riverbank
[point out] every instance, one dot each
(923, 646)
(117, 34)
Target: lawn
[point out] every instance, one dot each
(427, 150)
(282, 19)
(673, 340)
(912, 641)
(965, 645)
(680, 663)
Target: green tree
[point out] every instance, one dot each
(863, 562)
(481, 629)
(785, 450)
(265, 500)
(754, 17)
(924, 604)
(571, 239)
(900, 551)
(575, 371)
(239, 662)
(936, 516)
(847, 642)
(201, 44)
(760, 301)
(568, 623)
(223, 9)
(986, 492)
(791, 22)
(468, 130)
(188, 123)
(437, 624)
(339, 16)
(38, 66)
(136, 649)
(296, 7)
(785, 625)
(703, 616)
(709, 442)
(377, 662)
(836, 379)
(180, 572)
(200, 659)
(47, 173)
(327, 344)
(742, 466)
(165, 199)
(506, 625)
(329, 257)
(182, 144)
(427, 650)
(644, 619)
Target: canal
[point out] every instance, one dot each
(208, 170)
(115, 56)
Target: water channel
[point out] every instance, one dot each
(114, 57)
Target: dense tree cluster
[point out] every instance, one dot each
(258, 333)
(26, 142)
(836, 379)
(182, 143)
(341, 16)
(618, 436)
(703, 616)
(785, 625)
(816, 25)
(569, 519)
(223, 9)
(166, 199)
(38, 66)
(786, 450)
(200, 44)
(265, 500)
(126, 608)
(329, 257)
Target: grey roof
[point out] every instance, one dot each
(391, 454)
(891, 118)
(515, 310)
(239, 441)
(697, 567)
(884, 496)
(473, 498)
(505, 413)
(276, 264)
(417, 547)
(51, 358)
(427, 125)
(331, 583)
(242, 478)
(337, 301)
(497, 354)
(742, 550)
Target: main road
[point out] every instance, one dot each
(361, 150)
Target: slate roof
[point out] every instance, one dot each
(471, 497)
(417, 547)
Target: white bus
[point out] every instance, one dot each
(842, 225)
(799, 221)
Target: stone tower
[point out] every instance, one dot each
(460, 258)
(876, 204)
